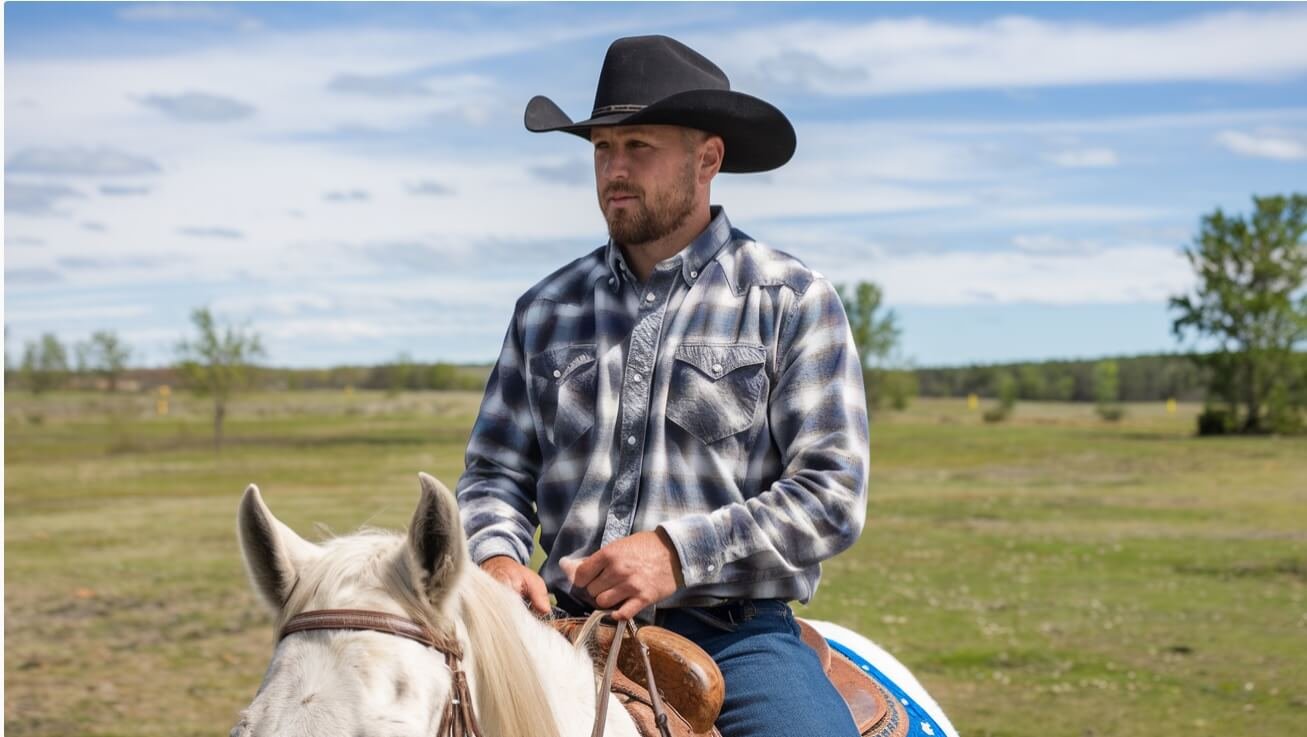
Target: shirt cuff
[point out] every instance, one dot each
(490, 546)
(699, 547)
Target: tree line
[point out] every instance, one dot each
(1249, 302)
(1148, 378)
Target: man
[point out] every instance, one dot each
(681, 411)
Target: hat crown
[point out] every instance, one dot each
(641, 70)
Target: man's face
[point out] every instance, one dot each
(646, 179)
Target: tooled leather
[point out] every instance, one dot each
(639, 705)
(875, 711)
(687, 677)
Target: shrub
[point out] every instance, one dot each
(1110, 412)
(1215, 421)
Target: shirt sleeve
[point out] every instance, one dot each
(496, 493)
(818, 415)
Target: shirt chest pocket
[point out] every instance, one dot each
(565, 388)
(715, 388)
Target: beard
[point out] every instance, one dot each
(650, 221)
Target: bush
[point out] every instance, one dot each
(996, 414)
(1215, 421)
(1110, 412)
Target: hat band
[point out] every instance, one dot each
(606, 109)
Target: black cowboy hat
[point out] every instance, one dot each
(649, 80)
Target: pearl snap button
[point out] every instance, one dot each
(649, 297)
(630, 440)
(716, 368)
(636, 378)
(558, 374)
(694, 274)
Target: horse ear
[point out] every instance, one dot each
(436, 540)
(273, 552)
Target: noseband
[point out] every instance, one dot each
(458, 718)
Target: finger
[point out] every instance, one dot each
(610, 578)
(615, 596)
(537, 594)
(589, 569)
(568, 566)
(632, 607)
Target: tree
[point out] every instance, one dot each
(45, 364)
(1005, 388)
(1107, 390)
(1251, 302)
(218, 363)
(105, 354)
(1031, 382)
(875, 335)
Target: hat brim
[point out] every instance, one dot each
(757, 135)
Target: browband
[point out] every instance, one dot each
(358, 619)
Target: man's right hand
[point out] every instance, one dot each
(527, 583)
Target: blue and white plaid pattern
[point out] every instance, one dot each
(721, 400)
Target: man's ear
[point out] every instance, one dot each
(711, 153)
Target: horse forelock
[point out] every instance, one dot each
(368, 569)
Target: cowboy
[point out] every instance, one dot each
(681, 411)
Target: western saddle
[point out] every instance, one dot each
(687, 680)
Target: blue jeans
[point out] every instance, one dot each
(775, 686)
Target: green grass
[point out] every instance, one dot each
(1053, 574)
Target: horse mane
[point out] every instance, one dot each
(510, 699)
(510, 694)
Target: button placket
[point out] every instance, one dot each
(634, 413)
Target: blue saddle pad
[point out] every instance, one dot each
(922, 725)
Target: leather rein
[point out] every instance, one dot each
(458, 719)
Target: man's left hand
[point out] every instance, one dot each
(628, 574)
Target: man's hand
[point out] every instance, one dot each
(628, 574)
(527, 583)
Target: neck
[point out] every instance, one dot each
(643, 257)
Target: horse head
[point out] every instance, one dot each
(364, 683)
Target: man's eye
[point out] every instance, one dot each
(601, 145)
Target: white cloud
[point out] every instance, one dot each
(37, 199)
(211, 231)
(79, 161)
(429, 187)
(189, 12)
(1044, 243)
(1278, 146)
(199, 107)
(1085, 158)
(1124, 274)
(923, 55)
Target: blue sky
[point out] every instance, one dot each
(354, 179)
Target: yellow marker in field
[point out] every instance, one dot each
(973, 402)
(1170, 406)
(161, 404)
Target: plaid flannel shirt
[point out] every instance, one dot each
(722, 401)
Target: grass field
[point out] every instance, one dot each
(1053, 575)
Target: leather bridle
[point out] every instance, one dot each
(458, 718)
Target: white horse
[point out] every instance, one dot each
(525, 680)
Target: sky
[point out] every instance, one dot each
(354, 182)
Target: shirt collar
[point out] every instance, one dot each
(694, 257)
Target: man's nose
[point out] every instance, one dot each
(615, 165)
